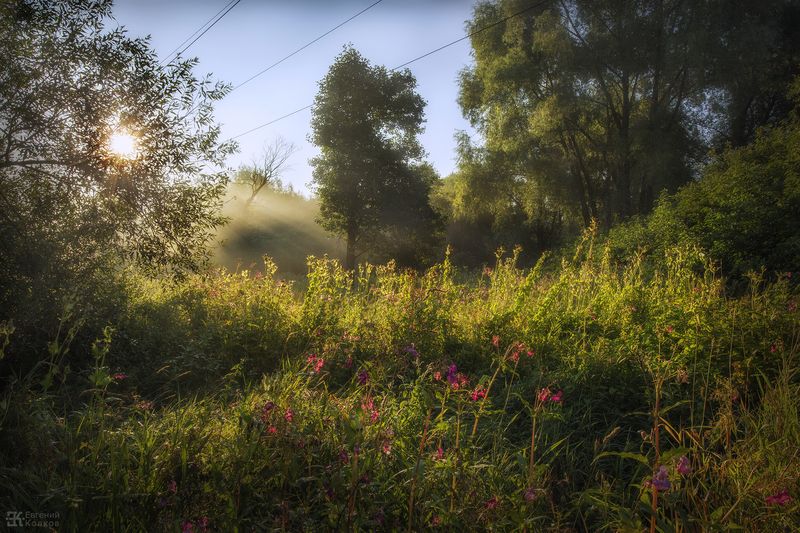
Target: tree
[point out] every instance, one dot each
(369, 176)
(266, 171)
(68, 85)
(70, 207)
(602, 104)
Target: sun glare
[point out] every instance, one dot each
(123, 144)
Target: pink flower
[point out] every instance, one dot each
(272, 430)
(683, 467)
(437, 376)
(439, 454)
(436, 520)
(348, 363)
(288, 415)
(496, 341)
(119, 376)
(543, 395)
(779, 498)
(187, 527)
(386, 448)
(531, 352)
(556, 398)
(530, 494)
(669, 329)
(492, 503)
(478, 394)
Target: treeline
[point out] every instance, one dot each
(588, 113)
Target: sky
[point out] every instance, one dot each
(257, 33)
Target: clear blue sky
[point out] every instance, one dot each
(256, 33)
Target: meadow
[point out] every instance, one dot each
(580, 395)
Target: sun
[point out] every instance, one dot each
(123, 144)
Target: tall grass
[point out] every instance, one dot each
(578, 397)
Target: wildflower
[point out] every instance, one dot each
(496, 341)
(363, 377)
(556, 398)
(779, 498)
(669, 329)
(792, 306)
(439, 454)
(461, 381)
(172, 486)
(661, 479)
(203, 523)
(288, 415)
(452, 372)
(411, 350)
(316, 363)
(543, 395)
(437, 376)
(145, 405)
(386, 448)
(272, 430)
(349, 362)
(514, 356)
(119, 376)
(379, 517)
(531, 352)
(436, 520)
(491, 503)
(478, 394)
(683, 467)
(344, 457)
(530, 494)
(187, 527)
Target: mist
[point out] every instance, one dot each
(279, 224)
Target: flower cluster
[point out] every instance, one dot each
(546, 395)
(478, 393)
(316, 363)
(456, 379)
(368, 405)
(779, 498)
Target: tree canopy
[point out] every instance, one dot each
(598, 106)
(369, 177)
(69, 84)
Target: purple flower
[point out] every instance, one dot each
(661, 480)
(452, 374)
(411, 350)
(530, 494)
(683, 467)
(363, 377)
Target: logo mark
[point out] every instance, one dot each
(14, 519)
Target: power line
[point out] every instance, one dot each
(198, 30)
(256, 75)
(235, 3)
(479, 30)
(271, 122)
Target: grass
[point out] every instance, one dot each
(537, 400)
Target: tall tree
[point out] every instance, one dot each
(605, 103)
(369, 176)
(72, 205)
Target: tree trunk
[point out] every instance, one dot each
(350, 257)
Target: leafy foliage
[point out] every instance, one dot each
(369, 176)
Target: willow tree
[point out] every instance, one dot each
(369, 177)
(605, 103)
